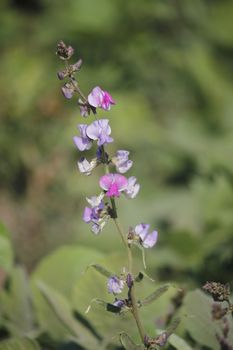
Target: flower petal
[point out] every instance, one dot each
(150, 240)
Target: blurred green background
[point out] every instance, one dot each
(168, 64)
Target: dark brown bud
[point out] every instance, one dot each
(219, 291)
(63, 51)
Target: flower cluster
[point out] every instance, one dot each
(113, 183)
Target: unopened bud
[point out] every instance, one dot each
(63, 51)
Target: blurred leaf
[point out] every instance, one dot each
(71, 262)
(63, 312)
(199, 322)
(128, 343)
(19, 344)
(178, 343)
(16, 304)
(6, 253)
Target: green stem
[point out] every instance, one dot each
(135, 312)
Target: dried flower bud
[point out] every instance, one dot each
(63, 51)
(218, 312)
(219, 291)
(76, 66)
(161, 340)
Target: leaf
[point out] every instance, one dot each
(199, 321)
(102, 270)
(63, 311)
(128, 343)
(178, 343)
(16, 304)
(172, 327)
(6, 252)
(71, 262)
(19, 344)
(152, 297)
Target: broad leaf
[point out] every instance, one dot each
(16, 304)
(200, 324)
(60, 271)
(6, 253)
(128, 343)
(178, 343)
(19, 344)
(64, 314)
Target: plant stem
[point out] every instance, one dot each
(135, 312)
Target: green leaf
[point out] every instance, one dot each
(16, 304)
(102, 270)
(178, 343)
(6, 252)
(19, 344)
(128, 343)
(63, 312)
(172, 327)
(71, 262)
(152, 297)
(199, 321)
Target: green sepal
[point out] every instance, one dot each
(154, 296)
(102, 270)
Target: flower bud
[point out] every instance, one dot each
(63, 51)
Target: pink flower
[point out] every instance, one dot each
(100, 98)
(113, 184)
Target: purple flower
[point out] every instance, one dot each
(100, 98)
(86, 167)
(67, 90)
(83, 142)
(132, 188)
(95, 215)
(122, 161)
(100, 130)
(119, 303)
(113, 184)
(115, 285)
(148, 240)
